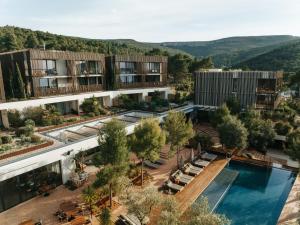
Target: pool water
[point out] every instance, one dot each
(256, 196)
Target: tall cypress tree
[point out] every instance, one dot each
(20, 86)
(32, 41)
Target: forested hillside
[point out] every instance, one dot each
(286, 57)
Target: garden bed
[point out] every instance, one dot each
(16, 152)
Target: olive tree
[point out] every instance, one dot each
(179, 132)
(147, 141)
(232, 133)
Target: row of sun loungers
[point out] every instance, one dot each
(194, 169)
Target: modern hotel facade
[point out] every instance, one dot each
(252, 88)
(65, 79)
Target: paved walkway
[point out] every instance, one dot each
(192, 191)
(291, 211)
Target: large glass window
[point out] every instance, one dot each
(25, 186)
(48, 83)
(128, 79)
(127, 67)
(153, 78)
(94, 67)
(45, 67)
(153, 67)
(81, 67)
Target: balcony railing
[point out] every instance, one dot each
(45, 91)
(142, 84)
(265, 90)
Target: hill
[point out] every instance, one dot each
(15, 38)
(285, 57)
(232, 50)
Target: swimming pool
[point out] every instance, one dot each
(255, 196)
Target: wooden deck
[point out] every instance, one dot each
(191, 192)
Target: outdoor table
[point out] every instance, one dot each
(67, 206)
(79, 220)
(27, 222)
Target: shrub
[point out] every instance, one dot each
(6, 139)
(26, 131)
(282, 128)
(1, 141)
(35, 139)
(14, 118)
(56, 120)
(92, 105)
(25, 139)
(36, 114)
(29, 122)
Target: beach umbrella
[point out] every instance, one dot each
(192, 154)
(199, 148)
(181, 162)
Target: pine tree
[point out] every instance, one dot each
(10, 41)
(20, 86)
(32, 41)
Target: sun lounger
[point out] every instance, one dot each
(128, 220)
(190, 169)
(209, 156)
(161, 161)
(173, 186)
(151, 164)
(201, 163)
(182, 178)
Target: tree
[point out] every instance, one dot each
(90, 197)
(147, 141)
(178, 66)
(170, 213)
(113, 153)
(157, 51)
(234, 105)
(10, 41)
(19, 84)
(178, 131)
(105, 217)
(283, 128)
(261, 133)
(141, 203)
(293, 144)
(200, 214)
(205, 63)
(32, 41)
(204, 139)
(232, 133)
(113, 147)
(218, 116)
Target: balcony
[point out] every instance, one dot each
(141, 85)
(47, 91)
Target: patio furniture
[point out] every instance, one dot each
(161, 161)
(173, 186)
(190, 169)
(178, 176)
(151, 165)
(79, 220)
(128, 220)
(27, 222)
(209, 156)
(201, 163)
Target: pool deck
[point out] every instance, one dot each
(291, 210)
(192, 191)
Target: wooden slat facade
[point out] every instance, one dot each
(141, 70)
(213, 88)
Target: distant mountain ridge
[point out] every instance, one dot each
(256, 52)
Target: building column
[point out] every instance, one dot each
(4, 118)
(75, 106)
(142, 96)
(107, 101)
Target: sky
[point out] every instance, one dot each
(155, 20)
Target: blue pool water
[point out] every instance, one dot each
(256, 196)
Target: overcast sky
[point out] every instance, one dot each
(155, 20)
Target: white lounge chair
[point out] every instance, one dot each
(173, 186)
(190, 169)
(201, 163)
(182, 178)
(209, 156)
(151, 164)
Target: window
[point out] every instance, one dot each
(48, 83)
(129, 79)
(153, 67)
(127, 67)
(81, 67)
(46, 66)
(235, 85)
(152, 78)
(94, 67)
